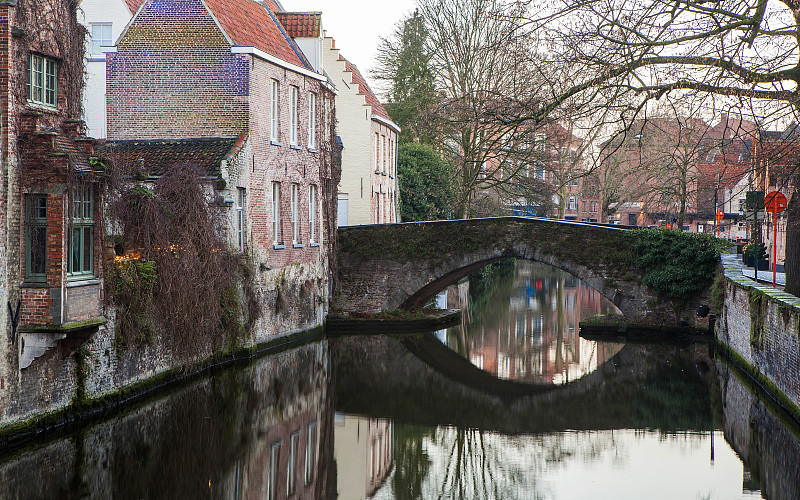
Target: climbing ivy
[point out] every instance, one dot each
(676, 264)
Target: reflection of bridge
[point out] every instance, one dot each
(385, 267)
(418, 380)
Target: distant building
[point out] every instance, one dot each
(104, 21)
(368, 191)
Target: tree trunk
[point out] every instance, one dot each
(792, 261)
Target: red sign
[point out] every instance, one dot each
(720, 215)
(775, 202)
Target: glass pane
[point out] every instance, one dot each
(87, 249)
(40, 208)
(75, 263)
(38, 250)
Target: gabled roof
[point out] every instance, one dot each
(363, 88)
(301, 24)
(252, 24)
(158, 155)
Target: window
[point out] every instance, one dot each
(377, 152)
(293, 131)
(593, 207)
(572, 203)
(538, 142)
(101, 37)
(42, 80)
(276, 213)
(385, 154)
(312, 120)
(275, 452)
(274, 110)
(295, 218)
(35, 237)
(293, 439)
(240, 218)
(311, 446)
(312, 213)
(81, 241)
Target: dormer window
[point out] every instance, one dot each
(42, 80)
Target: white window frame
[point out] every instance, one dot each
(294, 440)
(274, 456)
(240, 203)
(312, 213)
(100, 37)
(572, 202)
(293, 132)
(312, 120)
(295, 213)
(43, 80)
(276, 213)
(311, 446)
(274, 109)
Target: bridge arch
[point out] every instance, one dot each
(400, 266)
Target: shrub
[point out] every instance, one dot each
(676, 264)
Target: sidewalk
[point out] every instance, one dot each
(732, 260)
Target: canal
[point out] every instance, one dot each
(512, 403)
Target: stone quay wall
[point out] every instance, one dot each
(759, 327)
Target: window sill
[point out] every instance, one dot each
(96, 58)
(312, 245)
(81, 281)
(277, 246)
(40, 106)
(295, 146)
(313, 150)
(298, 245)
(35, 284)
(383, 173)
(275, 143)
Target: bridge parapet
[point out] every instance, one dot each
(401, 266)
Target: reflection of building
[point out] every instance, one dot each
(363, 454)
(533, 334)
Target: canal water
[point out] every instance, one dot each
(511, 404)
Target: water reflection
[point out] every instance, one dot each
(520, 322)
(255, 432)
(364, 417)
(457, 463)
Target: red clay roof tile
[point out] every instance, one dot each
(301, 24)
(133, 5)
(249, 24)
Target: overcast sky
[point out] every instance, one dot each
(356, 25)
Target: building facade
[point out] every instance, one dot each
(51, 277)
(185, 71)
(368, 191)
(104, 21)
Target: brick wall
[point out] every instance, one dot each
(172, 57)
(760, 324)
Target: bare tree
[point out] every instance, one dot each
(742, 52)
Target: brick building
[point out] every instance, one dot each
(224, 81)
(50, 202)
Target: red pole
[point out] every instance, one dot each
(774, 248)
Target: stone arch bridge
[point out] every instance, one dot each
(401, 266)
